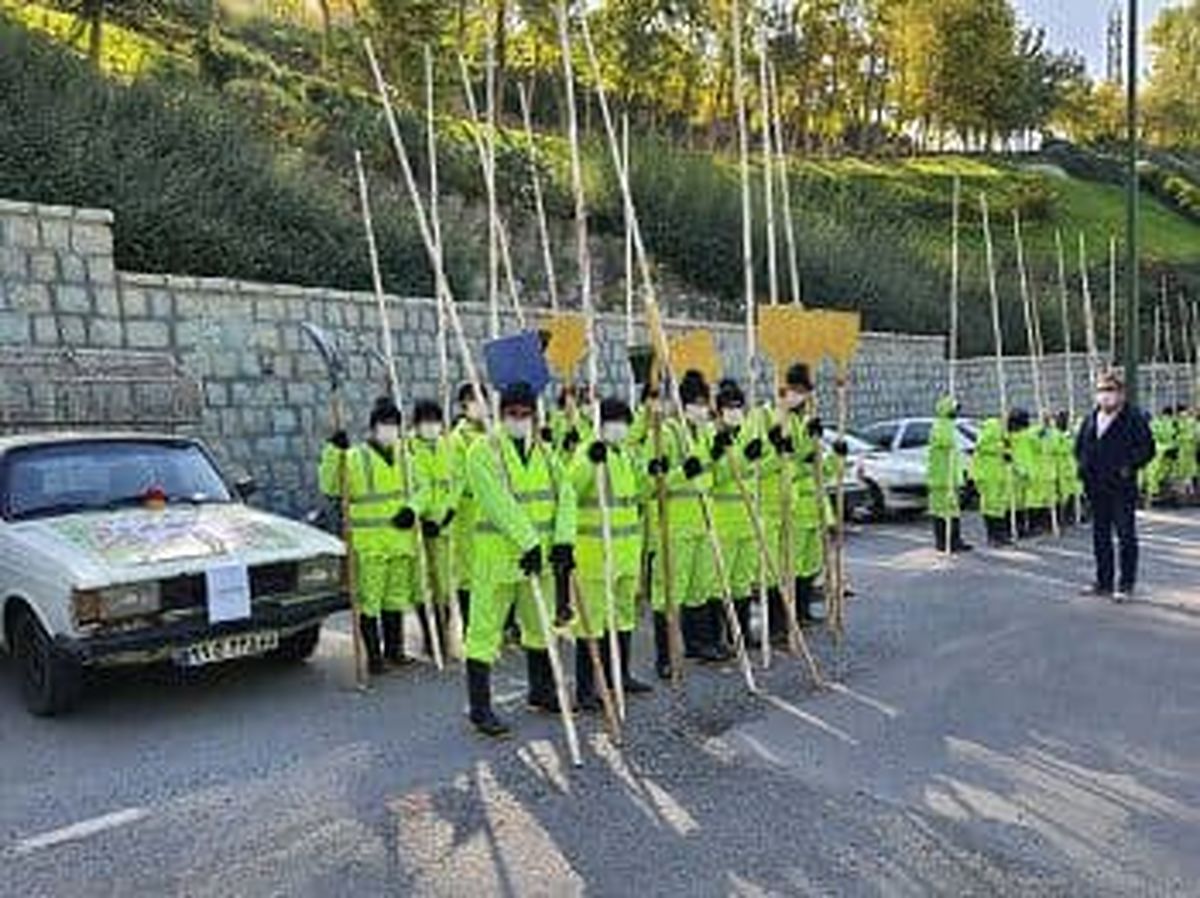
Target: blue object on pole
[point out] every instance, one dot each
(517, 359)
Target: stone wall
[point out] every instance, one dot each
(264, 405)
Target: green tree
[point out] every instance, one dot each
(1173, 93)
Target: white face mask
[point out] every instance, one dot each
(793, 400)
(386, 434)
(614, 432)
(519, 428)
(429, 430)
(474, 411)
(698, 414)
(733, 417)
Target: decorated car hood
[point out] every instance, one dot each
(117, 546)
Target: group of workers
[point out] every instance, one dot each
(1026, 475)
(685, 504)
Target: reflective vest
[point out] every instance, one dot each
(377, 490)
(625, 487)
(431, 472)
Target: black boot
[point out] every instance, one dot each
(586, 698)
(743, 619)
(479, 694)
(426, 630)
(662, 646)
(805, 599)
(464, 607)
(369, 628)
(692, 621)
(712, 632)
(633, 686)
(777, 613)
(393, 638)
(542, 694)
(939, 534)
(957, 544)
(998, 531)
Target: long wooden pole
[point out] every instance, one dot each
(583, 258)
(789, 230)
(489, 177)
(456, 637)
(1068, 359)
(955, 202)
(442, 285)
(401, 447)
(1089, 312)
(629, 275)
(998, 340)
(539, 200)
(1112, 302)
(1170, 341)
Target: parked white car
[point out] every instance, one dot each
(120, 549)
(889, 457)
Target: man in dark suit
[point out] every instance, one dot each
(1113, 444)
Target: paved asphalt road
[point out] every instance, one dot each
(994, 733)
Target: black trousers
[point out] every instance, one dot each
(1114, 510)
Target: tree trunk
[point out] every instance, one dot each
(326, 28)
(501, 34)
(94, 13)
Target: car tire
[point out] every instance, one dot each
(299, 646)
(50, 682)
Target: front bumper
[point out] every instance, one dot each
(158, 642)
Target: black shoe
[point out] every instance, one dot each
(805, 599)
(479, 693)
(1124, 593)
(1098, 590)
(586, 698)
(542, 694)
(711, 638)
(777, 616)
(632, 685)
(956, 541)
(369, 628)
(939, 534)
(692, 622)
(393, 638)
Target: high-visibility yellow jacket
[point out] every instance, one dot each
(377, 489)
(684, 511)
(437, 492)
(521, 503)
(626, 484)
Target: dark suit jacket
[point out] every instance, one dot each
(1111, 462)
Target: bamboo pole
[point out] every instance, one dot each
(1170, 342)
(629, 287)
(456, 638)
(998, 339)
(1157, 355)
(789, 231)
(489, 177)
(539, 200)
(1089, 314)
(1069, 362)
(401, 447)
(952, 364)
(585, 295)
(662, 345)
(442, 285)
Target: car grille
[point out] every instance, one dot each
(188, 590)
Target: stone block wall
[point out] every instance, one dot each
(263, 396)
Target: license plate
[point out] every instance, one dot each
(227, 648)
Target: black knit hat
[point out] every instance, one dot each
(798, 377)
(1018, 419)
(467, 392)
(426, 410)
(384, 412)
(730, 395)
(518, 395)
(614, 409)
(693, 389)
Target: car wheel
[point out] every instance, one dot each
(50, 682)
(877, 505)
(299, 646)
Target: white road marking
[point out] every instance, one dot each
(81, 830)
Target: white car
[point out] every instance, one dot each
(890, 458)
(125, 549)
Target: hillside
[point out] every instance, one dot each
(230, 154)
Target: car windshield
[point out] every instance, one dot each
(96, 475)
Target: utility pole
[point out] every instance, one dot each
(1132, 334)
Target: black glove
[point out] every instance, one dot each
(562, 598)
(1171, 454)
(531, 562)
(722, 441)
(753, 450)
(598, 453)
(810, 459)
(546, 434)
(562, 558)
(447, 519)
(340, 440)
(692, 467)
(784, 445)
(1008, 458)
(840, 448)
(404, 519)
(814, 427)
(570, 440)
(657, 467)
(431, 529)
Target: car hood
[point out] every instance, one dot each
(97, 548)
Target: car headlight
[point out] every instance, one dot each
(116, 602)
(319, 573)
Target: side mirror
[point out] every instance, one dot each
(245, 487)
